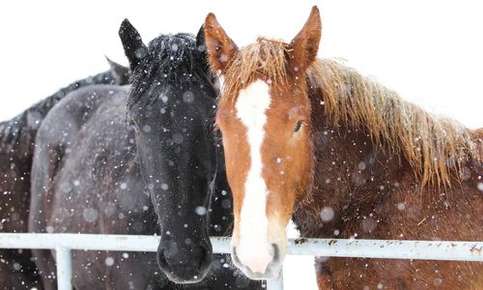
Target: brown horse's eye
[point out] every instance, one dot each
(298, 126)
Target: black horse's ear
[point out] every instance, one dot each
(134, 47)
(200, 39)
(120, 73)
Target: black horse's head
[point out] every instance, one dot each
(171, 105)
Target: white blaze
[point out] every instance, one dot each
(254, 249)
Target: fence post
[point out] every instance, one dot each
(276, 284)
(64, 268)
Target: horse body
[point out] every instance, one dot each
(15, 266)
(17, 139)
(100, 192)
(346, 158)
(138, 160)
(363, 190)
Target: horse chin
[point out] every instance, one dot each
(193, 280)
(272, 273)
(184, 277)
(189, 278)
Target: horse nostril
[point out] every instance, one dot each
(184, 263)
(162, 263)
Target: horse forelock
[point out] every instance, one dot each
(265, 58)
(170, 60)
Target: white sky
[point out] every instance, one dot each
(431, 52)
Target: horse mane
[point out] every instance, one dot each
(437, 149)
(13, 129)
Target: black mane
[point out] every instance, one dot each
(27, 122)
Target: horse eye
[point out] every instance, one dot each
(131, 123)
(298, 125)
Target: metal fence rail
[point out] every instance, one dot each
(386, 249)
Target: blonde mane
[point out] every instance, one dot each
(264, 57)
(437, 149)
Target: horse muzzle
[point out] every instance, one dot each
(185, 265)
(259, 267)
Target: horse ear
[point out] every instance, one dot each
(120, 73)
(306, 44)
(134, 47)
(221, 49)
(200, 38)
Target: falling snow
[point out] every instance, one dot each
(133, 208)
(188, 97)
(327, 214)
(109, 261)
(200, 210)
(146, 128)
(89, 215)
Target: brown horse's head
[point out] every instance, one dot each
(264, 116)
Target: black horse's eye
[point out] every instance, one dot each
(298, 126)
(131, 122)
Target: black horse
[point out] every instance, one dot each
(17, 137)
(139, 160)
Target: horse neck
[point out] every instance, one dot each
(351, 173)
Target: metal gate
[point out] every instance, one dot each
(385, 249)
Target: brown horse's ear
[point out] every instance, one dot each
(221, 49)
(306, 44)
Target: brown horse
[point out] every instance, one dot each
(345, 157)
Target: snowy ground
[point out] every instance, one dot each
(430, 52)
